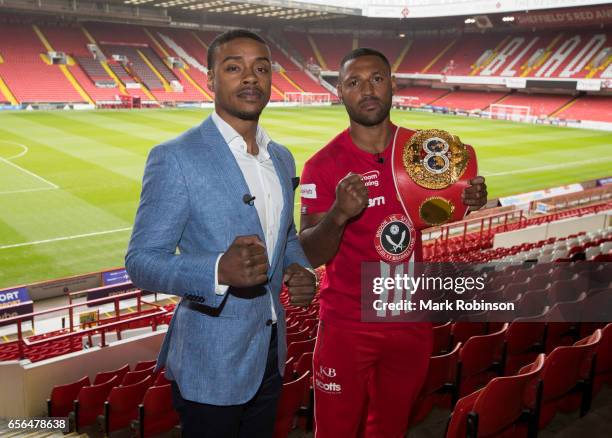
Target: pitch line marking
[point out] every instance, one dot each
(42, 189)
(548, 167)
(57, 239)
(21, 154)
(40, 178)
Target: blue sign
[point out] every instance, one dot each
(12, 297)
(115, 277)
(15, 302)
(604, 181)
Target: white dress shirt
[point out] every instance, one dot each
(263, 183)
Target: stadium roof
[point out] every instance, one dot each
(273, 9)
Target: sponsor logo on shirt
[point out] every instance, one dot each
(308, 191)
(327, 372)
(330, 388)
(394, 238)
(323, 384)
(370, 178)
(375, 202)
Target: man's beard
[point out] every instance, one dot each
(369, 119)
(245, 115)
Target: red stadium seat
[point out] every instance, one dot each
(143, 365)
(303, 365)
(603, 367)
(533, 302)
(567, 369)
(309, 323)
(161, 379)
(288, 405)
(440, 387)
(567, 290)
(515, 289)
(288, 374)
(298, 336)
(136, 376)
(293, 327)
(499, 408)
(121, 407)
(462, 331)
(156, 414)
(596, 306)
(105, 376)
(62, 397)
(296, 349)
(441, 338)
(90, 402)
(524, 341)
(481, 358)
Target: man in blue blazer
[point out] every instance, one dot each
(222, 194)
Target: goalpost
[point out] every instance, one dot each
(515, 113)
(305, 98)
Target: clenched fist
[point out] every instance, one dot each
(245, 263)
(301, 284)
(475, 195)
(351, 197)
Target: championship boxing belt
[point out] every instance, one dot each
(431, 168)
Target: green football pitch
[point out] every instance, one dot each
(70, 181)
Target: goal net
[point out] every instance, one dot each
(516, 113)
(305, 98)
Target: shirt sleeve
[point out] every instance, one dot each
(317, 190)
(220, 289)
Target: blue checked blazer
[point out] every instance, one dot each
(192, 199)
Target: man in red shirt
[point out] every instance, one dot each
(366, 375)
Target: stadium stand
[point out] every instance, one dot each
(72, 41)
(194, 88)
(331, 48)
(422, 53)
(419, 96)
(469, 100)
(539, 104)
(139, 68)
(588, 108)
(464, 54)
(25, 63)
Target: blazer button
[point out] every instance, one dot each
(269, 322)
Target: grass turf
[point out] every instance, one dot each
(70, 181)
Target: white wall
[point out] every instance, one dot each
(561, 228)
(26, 386)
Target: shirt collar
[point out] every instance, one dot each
(235, 140)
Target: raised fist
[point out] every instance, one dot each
(245, 263)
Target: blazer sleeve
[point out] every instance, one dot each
(152, 260)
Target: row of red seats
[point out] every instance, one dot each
(482, 354)
(117, 400)
(519, 405)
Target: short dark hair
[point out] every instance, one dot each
(226, 37)
(363, 51)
